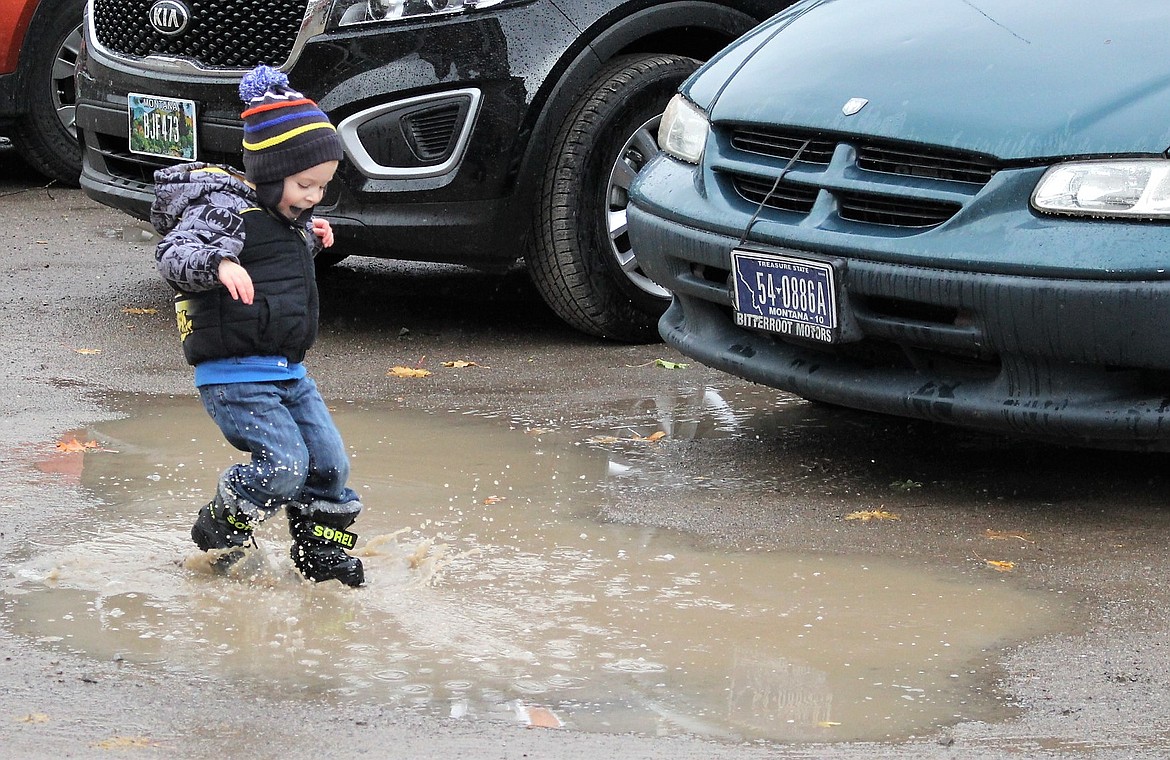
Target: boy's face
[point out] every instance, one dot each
(305, 189)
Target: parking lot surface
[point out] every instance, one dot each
(88, 347)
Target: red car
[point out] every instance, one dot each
(39, 42)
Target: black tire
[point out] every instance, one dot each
(580, 258)
(45, 136)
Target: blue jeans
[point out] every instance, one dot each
(298, 458)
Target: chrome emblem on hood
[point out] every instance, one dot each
(853, 105)
(169, 17)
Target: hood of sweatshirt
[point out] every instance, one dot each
(178, 187)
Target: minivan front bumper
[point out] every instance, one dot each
(1068, 360)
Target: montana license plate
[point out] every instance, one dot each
(785, 294)
(162, 126)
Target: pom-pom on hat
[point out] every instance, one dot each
(284, 132)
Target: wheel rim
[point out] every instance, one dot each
(64, 94)
(639, 149)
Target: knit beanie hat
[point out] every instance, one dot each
(284, 132)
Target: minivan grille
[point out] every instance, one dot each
(786, 196)
(782, 146)
(917, 163)
(893, 212)
(878, 182)
(222, 34)
(875, 156)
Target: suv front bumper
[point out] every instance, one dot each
(401, 192)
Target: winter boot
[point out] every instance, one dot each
(221, 525)
(320, 540)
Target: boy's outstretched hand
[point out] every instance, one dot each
(237, 280)
(323, 230)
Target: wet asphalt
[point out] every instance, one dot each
(87, 326)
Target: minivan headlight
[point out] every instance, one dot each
(1123, 188)
(347, 12)
(682, 133)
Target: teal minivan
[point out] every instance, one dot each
(951, 210)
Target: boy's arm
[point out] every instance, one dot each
(188, 256)
(322, 236)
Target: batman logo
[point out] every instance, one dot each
(222, 219)
(183, 317)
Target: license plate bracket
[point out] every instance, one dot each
(786, 293)
(162, 126)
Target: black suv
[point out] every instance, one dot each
(476, 132)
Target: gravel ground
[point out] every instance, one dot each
(1096, 690)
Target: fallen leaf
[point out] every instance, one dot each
(827, 723)
(538, 717)
(493, 500)
(460, 364)
(408, 372)
(1001, 566)
(138, 310)
(905, 485)
(670, 365)
(606, 439)
(872, 514)
(33, 718)
(127, 742)
(1001, 534)
(74, 445)
(88, 351)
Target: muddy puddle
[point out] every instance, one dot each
(495, 593)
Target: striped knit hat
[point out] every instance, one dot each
(284, 132)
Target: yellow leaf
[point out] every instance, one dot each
(408, 372)
(137, 310)
(652, 437)
(88, 351)
(1000, 534)
(670, 365)
(74, 445)
(33, 718)
(1003, 567)
(126, 742)
(872, 514)
(460, 364)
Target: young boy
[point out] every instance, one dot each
(239, 252)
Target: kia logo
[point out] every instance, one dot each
(169, 17)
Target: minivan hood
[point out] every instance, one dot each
(1007, 78)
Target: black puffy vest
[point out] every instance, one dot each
(282, 319)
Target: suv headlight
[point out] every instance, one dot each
(347, 12)
(1124, 188)
(682, 133)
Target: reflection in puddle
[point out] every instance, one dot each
(494, 593)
